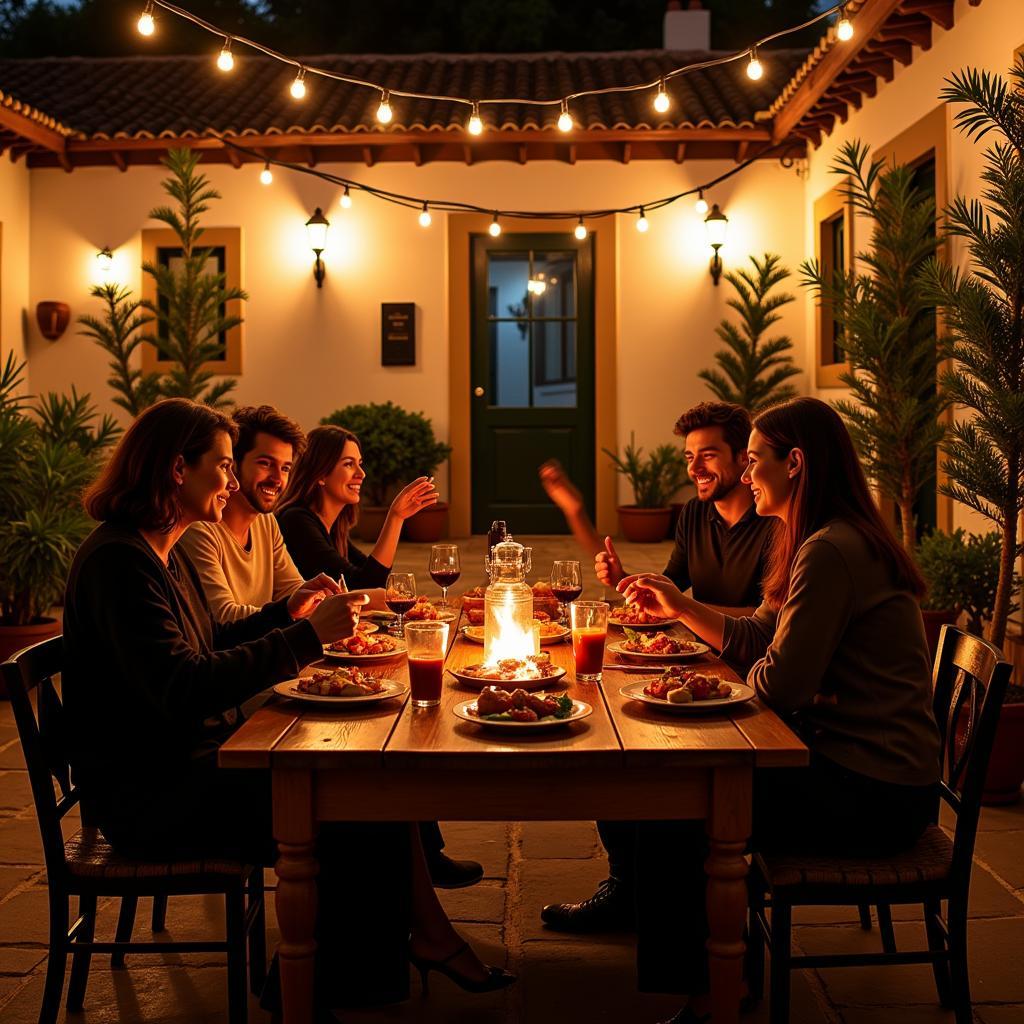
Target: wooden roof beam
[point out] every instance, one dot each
(877, 64)
(119, 160)
(234, 157)
(32, 131)
(742, 149)
(938, 11)
(680, 152)
(627, 152)
(917, 34)
(898, 49)
(368, 156)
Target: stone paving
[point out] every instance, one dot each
(562, 978)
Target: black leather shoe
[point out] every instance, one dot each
(609, 909)
(446, 873)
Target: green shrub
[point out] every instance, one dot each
(655, 479)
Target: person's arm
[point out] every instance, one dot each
(658, 594)
(561, 490)
(287, 578)
(678, 568)
(204, 554)
(410, 499)
(309, 545)
(364, 572)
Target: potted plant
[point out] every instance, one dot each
(654, 481)
(397, 446)
(49, 453)
(983, 306)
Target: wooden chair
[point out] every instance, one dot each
(970, 680)
(85, 865)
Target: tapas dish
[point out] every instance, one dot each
(521, 710)
(683, 689)
(550, 632)
(424, 610)
(660, 646)
(530, 673)
(376, 646)
(635, 617)
(340, 686)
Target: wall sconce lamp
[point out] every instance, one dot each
(716, 224)
(316, 229)
(104, 265)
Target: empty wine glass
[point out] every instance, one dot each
(444, 568)
(400, 596)
(566, 585)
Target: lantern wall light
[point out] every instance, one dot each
(716, 224)
(104, 266)
(316, 230)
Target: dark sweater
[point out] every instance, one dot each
(149, 673)
(313, 551)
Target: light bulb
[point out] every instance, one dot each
(844, 27)
(104, 264)
(425, 217)
(266, 175)
(642, 223)
(661, 101)
(494, 227)
(146, 23)
(225, 59)
(298, 88)
(580, 231)
(565, 119)
(384, 113)
(476, 125)
(346, 200)
(754, 68)
(701, 206)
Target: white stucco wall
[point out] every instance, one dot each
(311, 351)
(14, 247)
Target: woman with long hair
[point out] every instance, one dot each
(320, 507)
(837, 648)
(152, 684)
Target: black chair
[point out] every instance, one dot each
(970, 681)
(85, 865)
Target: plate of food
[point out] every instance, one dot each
(657, 646)
(530, 673)
(550, 632)
(635, 617)
(375, 647)
(685, 690)
(518, 710)
(424, 610)
(340, 686)
(366, 628)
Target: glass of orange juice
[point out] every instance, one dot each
(427, 643)
(589, 632)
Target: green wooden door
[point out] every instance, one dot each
(532, 373)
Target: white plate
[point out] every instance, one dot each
(741, 693)
(580, 710)
(479, 639)
(523, 684)
(366, 628)
(664, 624)
(345, 656)
(698, 650)
(391, 689)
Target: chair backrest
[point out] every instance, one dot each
(43, 733)
(970, 680)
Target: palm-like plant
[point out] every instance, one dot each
(753, 370)
(117, 333)
(888, 330)
(190, 312)
(984, 311)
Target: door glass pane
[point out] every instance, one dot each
(554, 360)
(507, 274)
(554, 287)
(510, 363)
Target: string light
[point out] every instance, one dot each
(425, 217)
(495, 227)
(384, 112)
(580, 231)
(146, 23)
(701, 206)
(754, 69)
(346, 200)
(225, 60)
(565, 118)
(641, 222)
(298, 88)
(844, 27)
(266, 175)
(476, 125)
(661, 101)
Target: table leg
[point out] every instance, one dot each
(728, 831)
(296, 902)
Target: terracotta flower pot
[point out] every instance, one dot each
(428, 525)
(1006, 765)
(15, 638)
(643, 525)
(933, 623)
(371, 522)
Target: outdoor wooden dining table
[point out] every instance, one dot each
(391, 761)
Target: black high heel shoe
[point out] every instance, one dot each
(497, 977)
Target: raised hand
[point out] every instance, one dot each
(303, 602)
(653, 593)
(413, 497)
(335, 617)
(607, 565)
(560, 489)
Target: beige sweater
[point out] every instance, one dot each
(846, 656)
(237, 581)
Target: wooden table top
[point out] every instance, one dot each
(619, 733)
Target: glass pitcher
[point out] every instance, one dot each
(508, 604)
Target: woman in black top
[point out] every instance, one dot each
(320, 507)
(152, 682)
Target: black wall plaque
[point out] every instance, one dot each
(397, 334)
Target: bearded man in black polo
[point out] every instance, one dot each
(719, 552)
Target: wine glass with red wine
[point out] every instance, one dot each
(400, 596)
(445, 568)
(566, 585)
